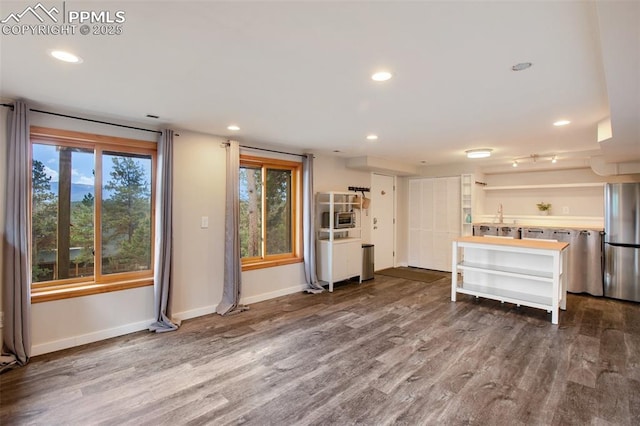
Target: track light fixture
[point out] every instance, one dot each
(534, 158)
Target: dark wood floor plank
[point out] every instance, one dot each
(583, 365)
(578, 405)
(387, 351)
(632, 344)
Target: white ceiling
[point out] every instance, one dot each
(298, 74)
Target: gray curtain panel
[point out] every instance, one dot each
(164, 236)
(232, 262)
(16, 280)
(308, 227)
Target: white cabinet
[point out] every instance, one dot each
(339, 250)
(339, 260)
(434, 221)
(525, 272)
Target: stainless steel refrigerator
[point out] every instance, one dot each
(622, 241)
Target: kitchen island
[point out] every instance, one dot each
(524, 272)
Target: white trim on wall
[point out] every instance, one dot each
(272, 294)
(194, 313)
(96, 336)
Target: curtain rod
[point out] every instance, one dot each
(87, 119)
(270, 150)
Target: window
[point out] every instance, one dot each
(92, 213)
(270, 220)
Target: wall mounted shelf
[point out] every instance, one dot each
(545, 186)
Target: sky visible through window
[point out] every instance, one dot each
(82, 167)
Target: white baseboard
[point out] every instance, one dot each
(272, 295)
(207, 310)
(83, 339)
(73, 341)
(193, 313)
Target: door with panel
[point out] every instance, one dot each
(434, 221)
(383, 220)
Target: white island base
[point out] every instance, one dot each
(524, 272)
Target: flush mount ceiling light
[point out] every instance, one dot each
(61, 55)
(233, 128)
(521, 66)
(561, 123)
(479, 153)
(372, 137)
(381, 76)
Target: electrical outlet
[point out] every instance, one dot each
(204, 222)
(565, 210)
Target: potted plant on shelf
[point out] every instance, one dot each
(544, 208)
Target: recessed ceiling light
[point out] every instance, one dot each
(61, 55)
(381, 76)
(521, 66)
(372, 137)
(561, 123)
(479, 153)
(233, 127)
(554, 159)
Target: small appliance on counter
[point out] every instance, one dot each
(340, 220)
(622, 241)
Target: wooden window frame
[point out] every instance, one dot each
(295, 256)
(97, 283)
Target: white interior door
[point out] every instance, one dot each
(383, 200)
(434, 221)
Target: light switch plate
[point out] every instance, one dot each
(204, 222)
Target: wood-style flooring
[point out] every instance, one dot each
(388, 351)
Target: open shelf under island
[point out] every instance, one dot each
(524, 272)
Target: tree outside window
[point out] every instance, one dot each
(76, 184)
(269, 214)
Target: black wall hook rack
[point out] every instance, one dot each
(359, 189)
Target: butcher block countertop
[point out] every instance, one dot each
(519, 225)
(512, 242)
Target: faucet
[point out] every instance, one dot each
(500, 217)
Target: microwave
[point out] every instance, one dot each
(340, 220)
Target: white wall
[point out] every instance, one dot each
(584, 202)
(70, 322)
(198, 267)
(331, 174)
(199, 190)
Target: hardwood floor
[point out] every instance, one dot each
(388, 351)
